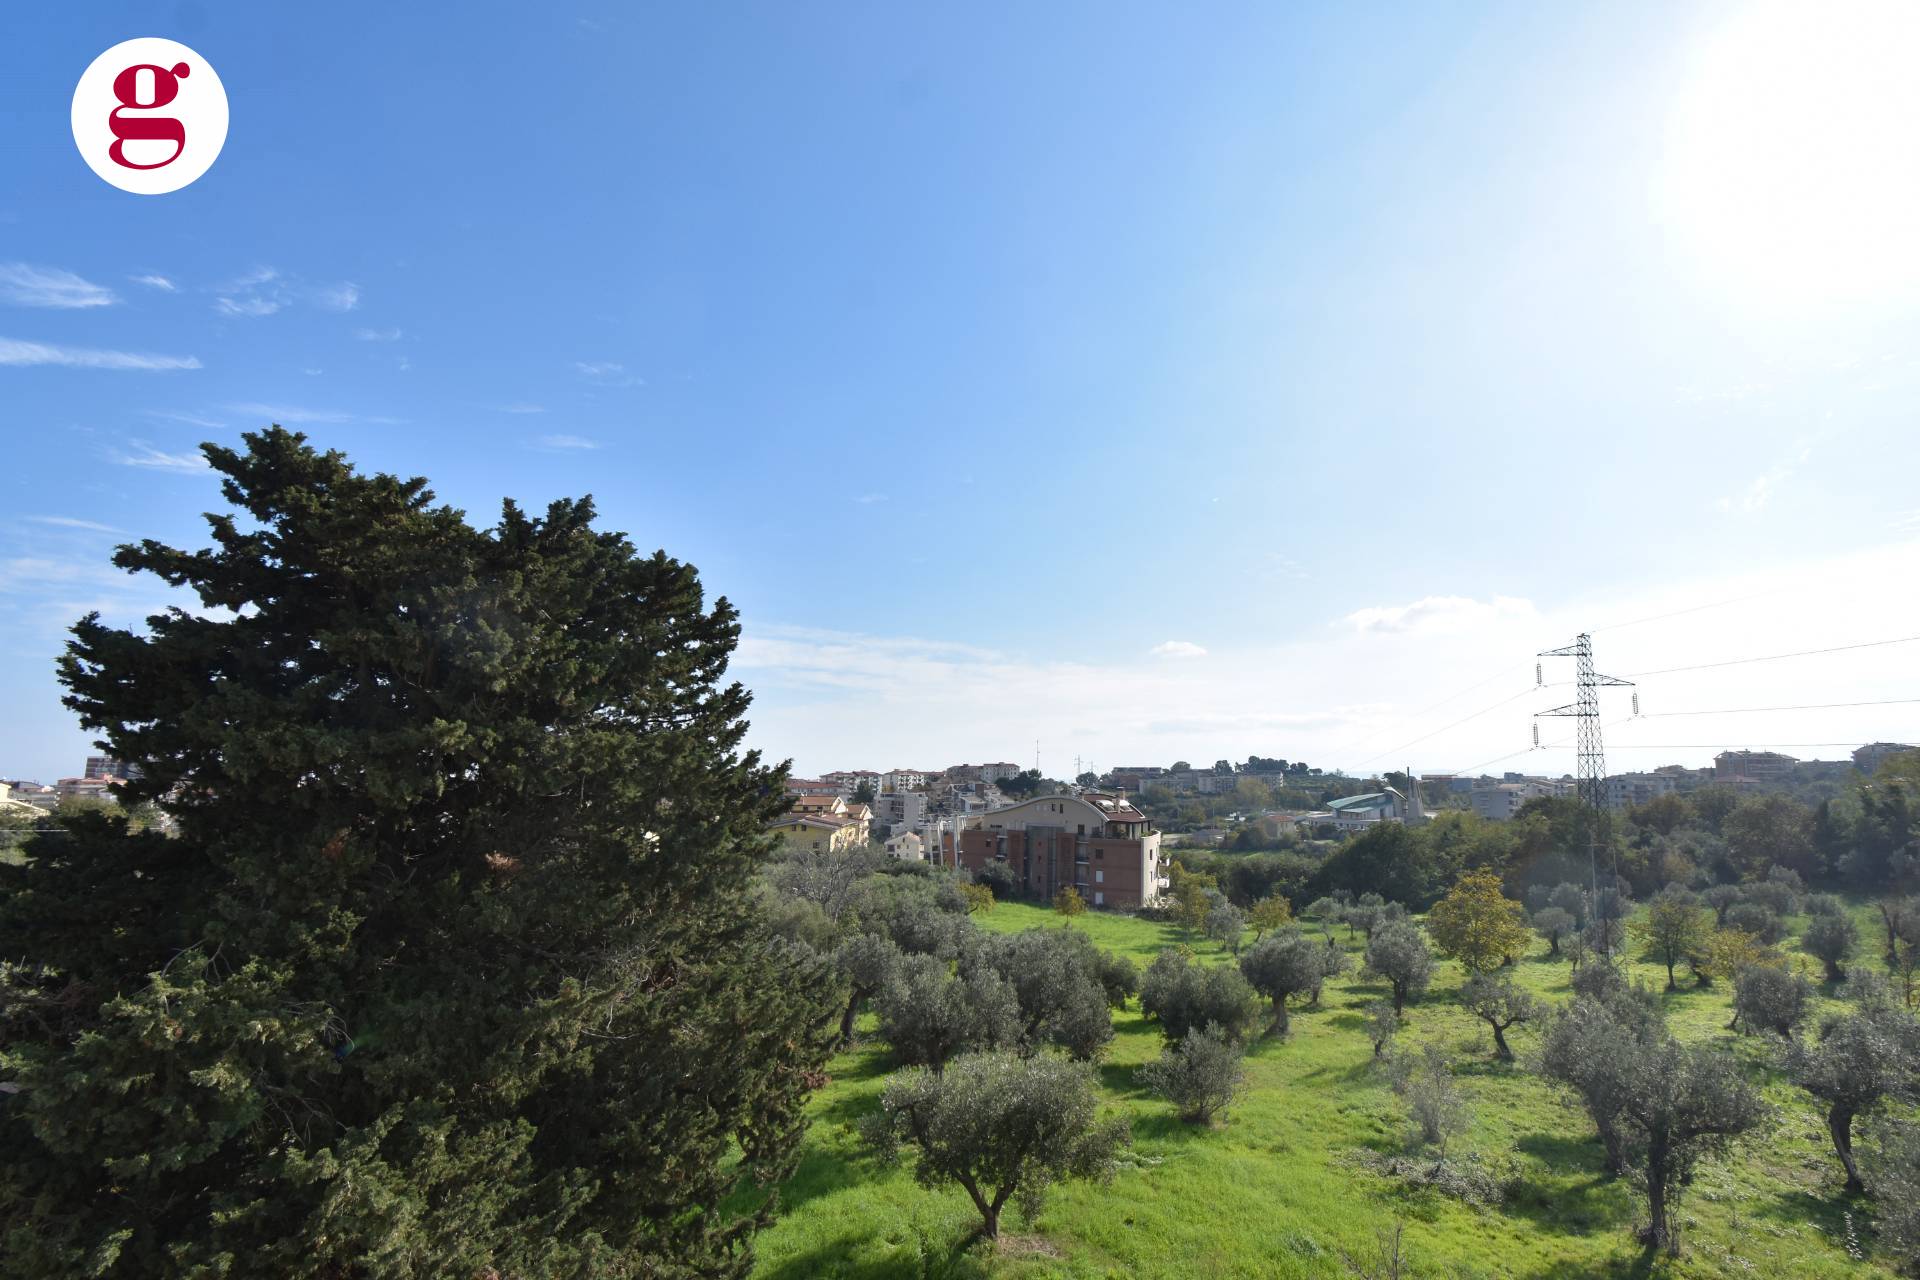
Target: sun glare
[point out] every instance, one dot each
(1792, 168)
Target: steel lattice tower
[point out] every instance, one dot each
(1585, 709)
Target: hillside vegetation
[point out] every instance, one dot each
(1291, 1184)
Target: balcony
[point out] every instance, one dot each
(1164, 883)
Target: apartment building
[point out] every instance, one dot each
(1869, 758)
(848, 781)
(811, 787)
(1761, 766)
(1097, 842)
(1499, 801)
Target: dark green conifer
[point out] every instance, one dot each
(453, 968)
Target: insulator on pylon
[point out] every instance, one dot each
(1536, 735)
(1636, 702)
(1539, 678)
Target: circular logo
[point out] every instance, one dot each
(149, 116)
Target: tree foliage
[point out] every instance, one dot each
(1860, 1060)
(1400, 954)
(1674, 927)
(1202, 1075)
(1283, 965)
(1496, 1001)
(462, 888)
(1183, 995)
(1478, 925)
(999, 1125)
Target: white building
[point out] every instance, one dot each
(907, 846)
(903, 780)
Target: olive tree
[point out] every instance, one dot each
(1893, 1173)
(1434, 1102)
(1281, 966)
(999, 1125)
(1382, 1022)
(1766, 998)
(1758, 919)
(1182, 995)
(1202, 1075)
(1226, 924)
(1591, 1045)
(866, 961)
(1831, 939)
(1555, 924)
(1673, 928)
(1722, 898)
(1496, 1001)
(1054, 981)
(1685, 1102)
(1859, 1061)
(929, 1014)
(1400, 954)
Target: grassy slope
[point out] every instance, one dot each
(1275, 1192)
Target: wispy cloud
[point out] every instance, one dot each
(142, 454)
(1177, 649)
(1437, 614)
(26, 285)
(293, 413)
(15, 352)
(868, 499)
(1761, 490)
(161, 283)
(252, 304)
(607, 373)
(377, 335)
(264, 291)
(190, 419)
(565, 442)
(520, 406)
(70, 522)
(1906, 521)
(338, 297)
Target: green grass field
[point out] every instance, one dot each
(1281, 1190)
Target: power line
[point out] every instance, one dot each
(1709, 746)
(1804, 706)
(1452, 697)
(1775, 657)
(1524, 693)
(1662, 617)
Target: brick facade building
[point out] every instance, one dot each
(1098, 843)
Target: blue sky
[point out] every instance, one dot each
(1249, 378)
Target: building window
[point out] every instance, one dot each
(1099, 876)
(1099, 854)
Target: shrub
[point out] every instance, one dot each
(1202, 1075)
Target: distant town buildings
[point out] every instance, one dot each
(1869, 758)
(1096, 842)
(1761, 766)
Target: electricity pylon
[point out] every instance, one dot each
(1586, 709)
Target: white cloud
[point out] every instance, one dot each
(377, 335)
(1759, 493)
(155, 282)
(868, 499)
(1436, 699)
(520, 406)
(15, 352)
(1906, 521)
(142, 454)
(293, 413)
(1445, 614)
(598, 369)
(565, 442)
(339, 297)
(1177, 649)
(26, 285)
(247, 305)
(190, 419)
(69, 522)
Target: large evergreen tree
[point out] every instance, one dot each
(453, 968)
